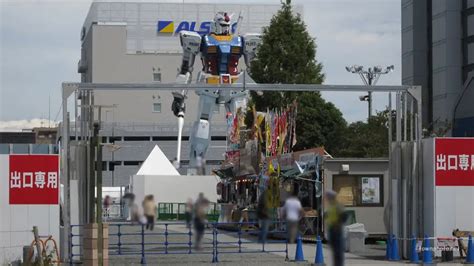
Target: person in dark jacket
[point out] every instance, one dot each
(200, 211)
(263, 215)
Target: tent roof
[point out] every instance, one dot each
(157, 164)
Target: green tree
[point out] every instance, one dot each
(367, 139)
(287, 55)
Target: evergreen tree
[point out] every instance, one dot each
(368, 139)
(287, 55)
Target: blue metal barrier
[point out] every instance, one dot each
(127, 239)
(240, 245)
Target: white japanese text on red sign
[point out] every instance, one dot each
(462, 162)
(33, 179)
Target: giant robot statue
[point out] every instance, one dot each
(220, 52)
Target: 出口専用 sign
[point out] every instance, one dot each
(454, 161)
(34, 179)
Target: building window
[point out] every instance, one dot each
(157, 77)
(359, 190)
(156, 107)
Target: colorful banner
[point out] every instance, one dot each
(280, 130)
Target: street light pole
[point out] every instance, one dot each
(370, 78)
(369, 100)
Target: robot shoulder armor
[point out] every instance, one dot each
(251, 42)
(190, 40)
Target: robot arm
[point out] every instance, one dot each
(251, 43)
(191, 44)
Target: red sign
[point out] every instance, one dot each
(454, 161)
(34, 179)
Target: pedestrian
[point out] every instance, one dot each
(106, 206)
(335, 219)
(188, 213)
(134, 210)
(263, 216)
(200, 211)
(149, 210)
(293, 211)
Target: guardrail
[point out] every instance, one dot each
(127, 239)
(241, 245)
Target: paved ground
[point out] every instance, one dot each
(178, 242)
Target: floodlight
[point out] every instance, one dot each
(363, 98)
(369, 77)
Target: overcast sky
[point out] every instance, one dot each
(40, 48)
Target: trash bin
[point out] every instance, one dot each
(447, 255)
(355, 237)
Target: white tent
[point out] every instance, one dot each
(157, 164)
(157, 176)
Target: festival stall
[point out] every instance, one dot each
(262, 158)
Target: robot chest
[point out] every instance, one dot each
(224, 50)
(222, 59)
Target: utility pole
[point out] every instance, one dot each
(370, 78)
(94, 183)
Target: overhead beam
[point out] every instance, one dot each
(237, 86)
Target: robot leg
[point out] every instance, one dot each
(233, 100)
(201, 133)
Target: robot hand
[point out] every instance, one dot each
(179, 106)
(183, 78)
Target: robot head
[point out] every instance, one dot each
(221, 25)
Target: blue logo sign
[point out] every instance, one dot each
(167, 27)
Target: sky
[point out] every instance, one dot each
(40, 48)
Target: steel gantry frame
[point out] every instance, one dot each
(405, 198)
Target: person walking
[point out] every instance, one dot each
(133, 209)
(106, 206)
(263, 215)
(188, 213)
(293, 211)
(200, 210)
(149, 210)
(335, 220)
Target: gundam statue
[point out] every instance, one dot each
(220, 54)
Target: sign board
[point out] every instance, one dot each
(454, 159)
(452, 181)
(33, 179)
(370, 190)
(27, 198)
(447, 244)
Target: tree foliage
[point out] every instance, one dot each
(287, 55)
(367, 139)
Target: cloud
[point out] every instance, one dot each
(19, 125)
(38, 52)
(366, 33)
(40, 47)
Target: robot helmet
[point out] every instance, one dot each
(221, 25)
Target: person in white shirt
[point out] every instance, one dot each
(293, 211)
